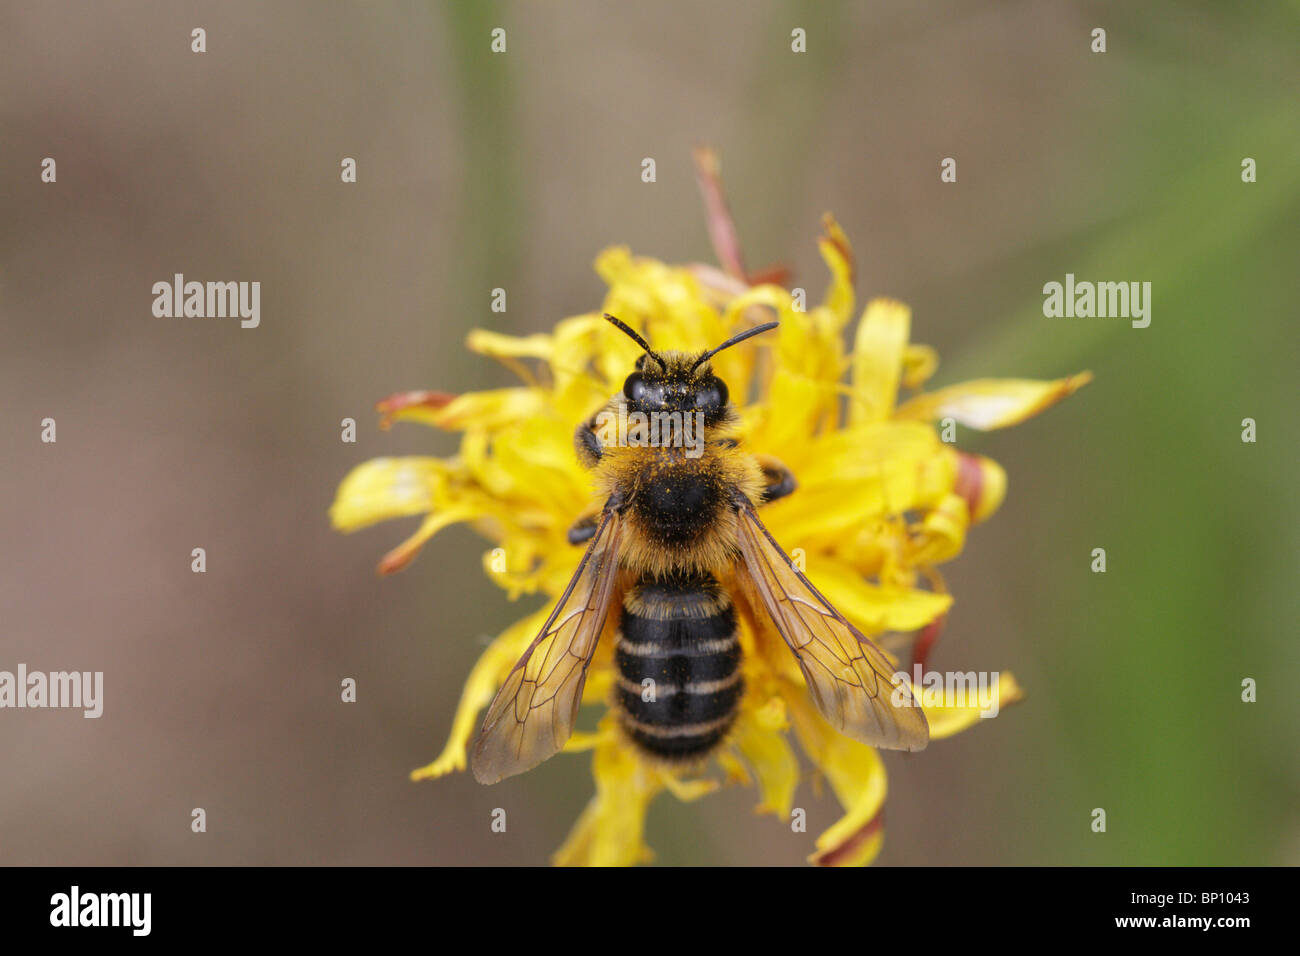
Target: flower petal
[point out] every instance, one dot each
(611, 830)
(790, 416)
(919, 363)
(484, 679)
(874, 607)
(406, 552)
(878, 359)
(722, 228)
(982, 482)
(489, 409)
(769, 755)
(838, 256)
(942, 532)
(990, 403)
(408, 405)
(856, 775)
(499, 345)
(850, 844)
(687, 791)
(947, 719)
(850, 477)
(385, 488)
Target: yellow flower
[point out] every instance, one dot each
(881, 501)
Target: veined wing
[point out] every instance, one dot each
(533, 713)
(850, 680)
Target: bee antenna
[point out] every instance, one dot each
(738, 337)
(623, 326)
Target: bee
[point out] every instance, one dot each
(674, 550)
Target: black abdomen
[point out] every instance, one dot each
(679, 666)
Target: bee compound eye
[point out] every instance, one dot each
(712, 395)
(634, 388)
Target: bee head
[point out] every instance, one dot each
(679, 381)
(674, 386)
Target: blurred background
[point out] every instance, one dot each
(478, 171)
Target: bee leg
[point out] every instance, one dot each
(779, 479)
(584, 528)
(588, 445)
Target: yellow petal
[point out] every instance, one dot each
(992, 402)
(497, 345)
(581, 740)
(687, 791)
(484, 679)
(789, 417)
(611, 830)
(857, 776)
(850, 843)
(583, 340)
(536, 469)
(982, 483)
(872, 607)
(735, 365)
(600, 681)
(385, 488)
(411, 406)
(849, 477)
(804, 347)
(768, 754)
(878, 359)
(406, 552)
(951, 717)
(872, 453)
(733, 768)
(919, 363)
(838, 256)
(942, 532)
(488, 409)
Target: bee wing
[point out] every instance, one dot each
(533, 712)
(851, 681)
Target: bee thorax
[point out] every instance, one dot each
(675, 506)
